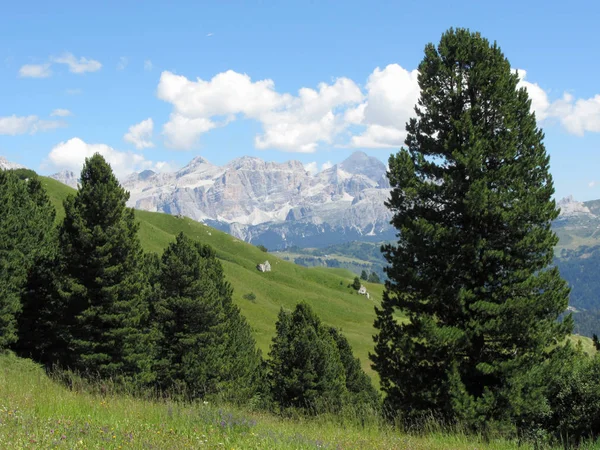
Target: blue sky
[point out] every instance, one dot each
(306, 80)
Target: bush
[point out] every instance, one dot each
(250, 296)
(560, 399)
(262, 248)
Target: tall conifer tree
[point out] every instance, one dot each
(305, 368)
(472, 203)
(104, 289)
(26, 227)
(205, 343)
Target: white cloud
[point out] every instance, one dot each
(183, 132)
(60, 113)
(123, 61)
(35, 71)
(576, 116)
(14, 125)
(312, 167)
(148, 65)
(290, 123)
(75, 91)
(79, 66)
(392, 93)
(592, 184)
(337, 113)
(71, 155)
(140, 134)
(539, 99)
(210, 34)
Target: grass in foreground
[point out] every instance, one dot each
(37, 412)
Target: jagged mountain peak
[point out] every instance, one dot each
(359, 163)
(571, 207)
(67, 177)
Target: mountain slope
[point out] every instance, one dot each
(324, 289)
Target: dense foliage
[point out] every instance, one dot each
(472, 202)
(205, 344)
(312, 368)
(26, 229)
(104, 289)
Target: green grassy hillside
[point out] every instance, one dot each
(324, 289)
(37, 412)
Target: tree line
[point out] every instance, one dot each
(84, 296)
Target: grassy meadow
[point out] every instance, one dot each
(38, 412)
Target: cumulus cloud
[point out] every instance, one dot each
(392, 93)
(14, 125)
(77, 65)
(338, 113)
(140, 134)
(290, 123)
(577, 116)
(312, 167)
(35, 71)
(326, 165)
(60, 113)
(71, 155)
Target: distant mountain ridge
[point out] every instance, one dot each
(7, 165)
(280, 205)
(274, 204)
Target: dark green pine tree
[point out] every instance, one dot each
(39, 336)
(363, 275)
(205, 344)
(26, 228)
(472, 203)
(359, 385)
(104, 291)
(304, 366)
(356, 283)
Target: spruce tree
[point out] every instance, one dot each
(26, 226)
(38, 335)
(205, 344)
(305, 369)
(105, 317)
(359, 385)
(363, 275)
(472, 203)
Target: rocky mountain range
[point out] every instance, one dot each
(274, 204)
(280, 205)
